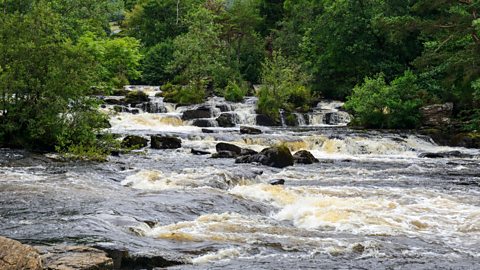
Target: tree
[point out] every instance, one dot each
(377, 104)
(284, 87)
(44, 79)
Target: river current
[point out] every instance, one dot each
(372, 202)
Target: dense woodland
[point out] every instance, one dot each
(385, 58)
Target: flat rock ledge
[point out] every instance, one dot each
(17, 256)
(74, 258)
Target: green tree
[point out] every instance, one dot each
(377, 104)
(284, 87)
(44, 79)
(118, 58)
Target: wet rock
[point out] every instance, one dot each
(199, 152)
(15, 256)
(277, 182)
(75, 257)
(228, 147)
(201, 112)
(227, 120)
(208, 131)
(359, 248)
(120, 92)
(467, 140)
(250, 130)
(304, 157)
(134, 142)
(437, 115)
(153, 107)
(204, 123)
(277, 156)
(136, 97)
(225, 154)
(447, 154)
(134, 111)
(165, 142)
(224, 107)
(264, 120)
(114, 101)
(248, 152)
(120, 109)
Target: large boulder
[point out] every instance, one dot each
(304, 157)
(228, 147)
(224, 154)
(250, 130)
(437, 115)
(136, 97)
(15, 256)
(75, 257)
(165, 142)
(134, 142)
(227, 120)
(200, 112)
(277, 156)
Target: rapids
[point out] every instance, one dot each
(372, 202)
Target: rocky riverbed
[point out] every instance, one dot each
(367, 199)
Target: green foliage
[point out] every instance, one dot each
(44, 80)
(199, 53)
(119, 58)
(235, 92)
(284, 87)
(193, 93)
(377, 104)
(155, 63)
(154, 21)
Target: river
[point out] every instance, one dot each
(372, 202)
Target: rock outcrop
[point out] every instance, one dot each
(200, 112)
(136, 97)
(227, 120)
(165, 142)
(250, 130)
(277, 156)
(304, 157)
(75, 258)
(437, 115)
(134, 142)
(16, 256)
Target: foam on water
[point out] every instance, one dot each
(168, 122)
(389, 211)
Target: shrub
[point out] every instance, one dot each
(193, 93)
(235, 92)
(377, 104)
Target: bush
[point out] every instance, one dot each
(376, 104)
(235, 92)
(154, 65)
(283, 87)
(193, 93)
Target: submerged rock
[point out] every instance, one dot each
(277, 156)
(165, 142)
(134, 142)
(75, 257)
(277, 182)
(15, 256)
(199, 152)
(448, 154)
(227, 120)
(208, 131)
(228, 147)
(250, 130)
(304, 157)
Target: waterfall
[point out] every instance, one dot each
(300, 120)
